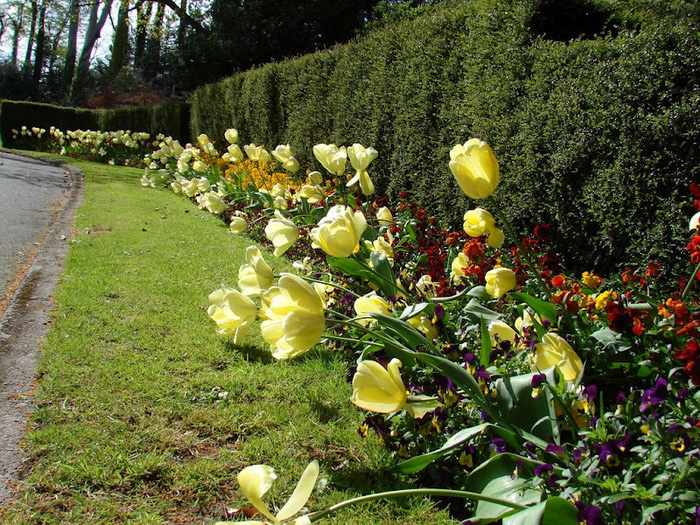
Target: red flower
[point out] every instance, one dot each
(652, 269)
(694, 248)
(558, 281)
(621, 319)
(690, 353)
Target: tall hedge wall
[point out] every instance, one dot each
(594, 117)
(171, 119)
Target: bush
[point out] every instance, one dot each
(171, 119)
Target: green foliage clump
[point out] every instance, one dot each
(593, 117)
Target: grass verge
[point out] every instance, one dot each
(144, 415)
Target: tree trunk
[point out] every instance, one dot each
(30, 38)
(71, 47)
(120, 42)
(17, 31)
(40, 53)
(151, 64)
(182, 27)
(143, 18)
(92, 33)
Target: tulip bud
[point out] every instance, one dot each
(237, 225)
(499, 281)
(478, 222)
(384, 216)
(475, 168)
(231, 135)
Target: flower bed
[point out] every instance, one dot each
(526, 394)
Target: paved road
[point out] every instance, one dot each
(31, 193)
(37, 204)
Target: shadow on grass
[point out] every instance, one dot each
(252, 353)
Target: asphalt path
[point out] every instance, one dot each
(38, 200)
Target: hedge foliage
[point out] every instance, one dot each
(171, 119)
(594, 117)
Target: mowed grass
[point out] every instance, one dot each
(145, 415)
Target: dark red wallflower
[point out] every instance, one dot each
(690, 353)
(694, 248)
(620, 318)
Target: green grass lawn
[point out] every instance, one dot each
(145, 414)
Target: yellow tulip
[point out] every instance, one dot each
(478, 222)
(331, 157)
(500, 331)
(233, 154)
(281, 232)
(338, 233)
(257, 153)
(360, 157)
(311, 193)
(256, 275)
(422, 324)
(379, 389)
(199, 166)
(212, 202)
(382, 246)
(459, 263)
(231, 135)
(255, 480)
(499, 281)
(315, 178)
(283, 154)
(237, 225)
(233, 312)
(555, 351)
(369, 304)
(496, 238)
(294, 318)
(384, 216)
(475, 168)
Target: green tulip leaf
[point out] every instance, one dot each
(417, 463)
(413, 310)
(606, 336)
(552, 511)
(476, 311)
(479, 292)
(486, 346)
(544, 309)
(504, 476)
(461, 378)
(404, 332)
(350, 267)
(383, 275)
(519, 408)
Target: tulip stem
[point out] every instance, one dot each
(334, 285)
(415, 492)
(524, 252)
(690, 282)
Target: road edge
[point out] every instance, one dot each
(24, 324)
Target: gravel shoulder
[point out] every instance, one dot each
(25, 321)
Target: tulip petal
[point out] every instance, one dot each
(301, 493)
(254, 482)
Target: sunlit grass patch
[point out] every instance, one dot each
(144, 414)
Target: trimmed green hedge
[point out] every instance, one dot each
(171, 119)
(594, 117)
